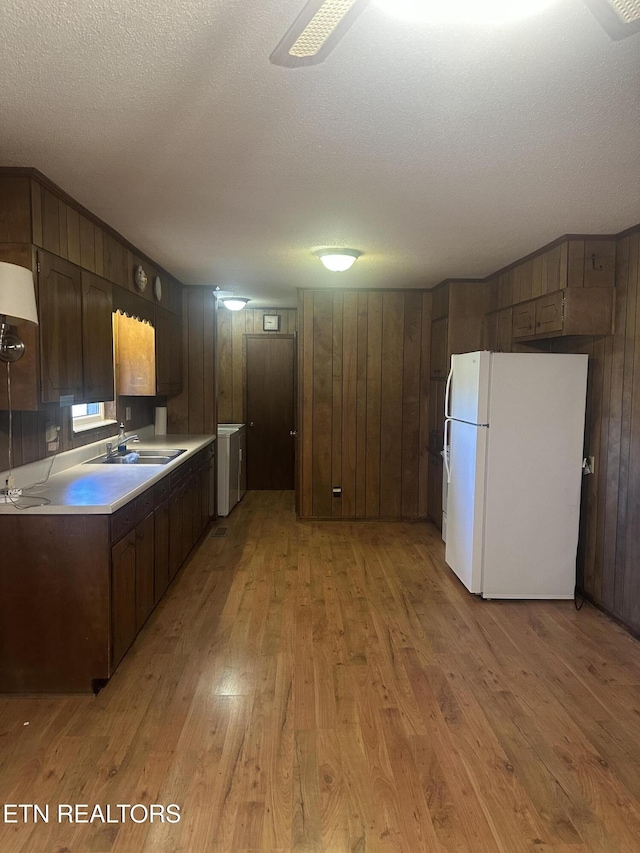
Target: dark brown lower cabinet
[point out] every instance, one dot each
(123, 596)
(76, 589)
(144, 570)
(161, 550)
(175, 533)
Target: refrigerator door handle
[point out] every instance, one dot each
(447, 392)
(445, 452)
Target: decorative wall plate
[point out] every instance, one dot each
(140, 278)
(157, 288)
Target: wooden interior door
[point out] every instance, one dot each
(269, 388)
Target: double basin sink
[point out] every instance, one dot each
(137, 457)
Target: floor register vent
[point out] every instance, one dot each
(218, 532)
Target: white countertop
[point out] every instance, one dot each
(96, 488)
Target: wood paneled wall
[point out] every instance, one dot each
(195, 409)
(29, 428)
(609, 548)
(363, 367)
(609, 551)
(232, 326)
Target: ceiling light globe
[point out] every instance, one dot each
(235, 304)
(338, 260)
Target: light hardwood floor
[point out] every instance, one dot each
(331, 688)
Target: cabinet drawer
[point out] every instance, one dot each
(144, 504)
(178, 477)
(161, 491)
(123, 521)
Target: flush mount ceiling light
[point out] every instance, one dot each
(489, 12)
(322, 23)
(230, 300)
(235, 303)
(620, 18)
(337, 260)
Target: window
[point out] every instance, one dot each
(87, 416)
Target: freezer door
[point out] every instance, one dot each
(468, 387)
(465, 502)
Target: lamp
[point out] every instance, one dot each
(235, 303)
(338, 260)
(17, 303)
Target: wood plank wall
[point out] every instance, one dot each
(232, 326)
(363, 367)
(609, 547)
(195, 409)
(609, 551)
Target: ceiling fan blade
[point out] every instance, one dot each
(620, 18)
(316, 31)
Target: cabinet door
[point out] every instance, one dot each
(504, 330)
(524, 319)
(434, 490)
(168, 353)
(197, 505)
(60, 315)
(436, 414)
(439, 365)
(550, 313)
(205, 485)
(161, 550)
(175, 533)
(187, 518)
(97, 338)
(490, 332)
(123, 596)
(144, 570)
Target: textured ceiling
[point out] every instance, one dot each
(436, 151)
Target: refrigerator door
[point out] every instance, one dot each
(467, 397)
(465, 502)
(534, 475)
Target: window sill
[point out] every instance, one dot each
(96, 425)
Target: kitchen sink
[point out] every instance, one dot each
(137, 457)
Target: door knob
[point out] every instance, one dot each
(250, 423)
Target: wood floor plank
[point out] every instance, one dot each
(330, 687)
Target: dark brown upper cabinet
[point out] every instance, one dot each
(97, 338)
(76, 336)
(60, 318)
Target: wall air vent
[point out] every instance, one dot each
(620, 18)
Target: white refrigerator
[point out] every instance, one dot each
(513, 449)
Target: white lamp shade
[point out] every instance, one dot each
(17, 295)
(338, 260)
(235, 303)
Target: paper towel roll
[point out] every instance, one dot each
(161, 420)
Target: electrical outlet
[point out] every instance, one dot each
(127, 413)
